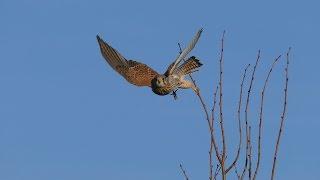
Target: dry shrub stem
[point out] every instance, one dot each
(282, 118)
(222, 156)
(247, 158)
(224, 145)
(239, 121)
(250, 154)
(217, 171)
(211, 132)
(261, 116)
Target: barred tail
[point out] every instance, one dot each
(189, 66)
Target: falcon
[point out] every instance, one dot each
(140, 74)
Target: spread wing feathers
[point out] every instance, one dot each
(186, 51)
(134, 72)
(189, 66)
(112, 56)
(139, 74)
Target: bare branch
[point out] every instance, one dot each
(204, 107)
(224, 146)
(214, 105)
(211, 131)
(282, 118)
(211, 126)
(210, 162)
(184, 173)
(218, 168)
(221, 99)
(236, 171)
(246, 115)
(239, 120)
(261, 116)
(250, 153)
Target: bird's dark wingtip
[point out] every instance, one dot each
(98, 37)
(196, 60)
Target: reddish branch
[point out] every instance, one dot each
(261, 116)
(211, 131)
(246, 117)
(239, 120)
(282, 118)
(224, 146)
(221, 157)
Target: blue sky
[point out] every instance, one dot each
(64, 114)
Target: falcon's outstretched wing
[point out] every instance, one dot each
(186, 51)
(134, 72)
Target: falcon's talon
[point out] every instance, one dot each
(174, 94)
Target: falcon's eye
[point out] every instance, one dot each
(163, 81)
(158, 81)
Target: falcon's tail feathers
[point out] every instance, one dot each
(189, 66)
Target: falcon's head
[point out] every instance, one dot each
(158, 81)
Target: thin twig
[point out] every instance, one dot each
(236, 171)
(246, 160)
(213, 141)
(239, 120)
(250, 154)
(261, 116)
(282, 118)
(214, 105)
(246, 115)
(210, 162)
(218, 168)
(184, 172)
(211, 131)
(224, 145)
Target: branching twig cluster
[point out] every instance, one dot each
(222, 169)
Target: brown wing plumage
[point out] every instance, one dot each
(134, 72)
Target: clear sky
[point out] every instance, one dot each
(65, 114)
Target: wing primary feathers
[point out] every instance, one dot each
(114, 58)
(134, 72)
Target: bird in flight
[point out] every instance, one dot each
(140, 74)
